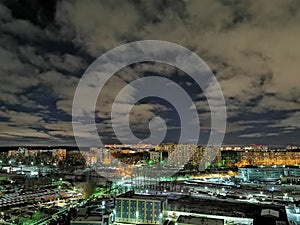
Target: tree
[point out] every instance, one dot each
(88, 189)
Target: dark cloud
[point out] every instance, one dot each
(251, 46)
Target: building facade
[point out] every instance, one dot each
(270, 173)
(140, 209)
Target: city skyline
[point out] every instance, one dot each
(251, 47)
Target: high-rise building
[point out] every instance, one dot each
(180, 154)
(60, 154)
(104, 156)
(155, 156)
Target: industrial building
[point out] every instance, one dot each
(86, 218)
(194, 220)
(139, 209)
(269, 173)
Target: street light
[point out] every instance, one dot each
(272, 191)
(137, 215)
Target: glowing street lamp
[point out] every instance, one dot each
(137, 215)
(272, 191)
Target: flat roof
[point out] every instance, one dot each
(88, 218)
(196, 219)
(142, 197)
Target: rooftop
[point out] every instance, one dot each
(132, 195)
(197, 220)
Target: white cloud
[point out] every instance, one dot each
(258, 135)
(256, 54)
(98, 25)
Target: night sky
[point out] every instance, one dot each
(252, 47)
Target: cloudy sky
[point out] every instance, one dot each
(252, 47)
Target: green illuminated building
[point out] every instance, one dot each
(140, 209)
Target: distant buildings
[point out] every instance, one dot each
(60, 154)
(269, 157)
(180, 154)
(187, 156)
(290, 174)
(104, 156)
(155, 157)
(90, 156)
(265, 157)
(201, 157)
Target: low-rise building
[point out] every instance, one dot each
(287, 174)
(195, 220)
(140, 209)
(84, 218)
